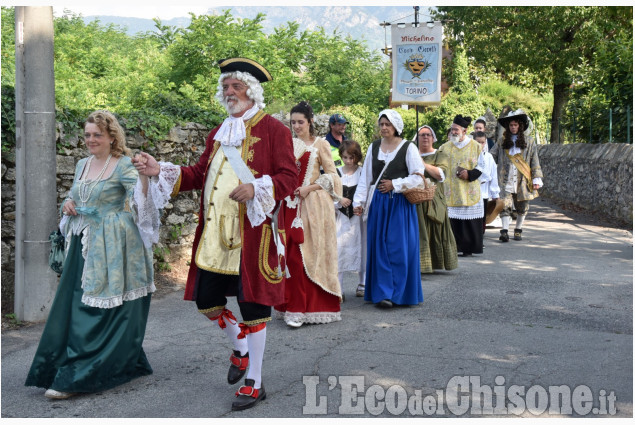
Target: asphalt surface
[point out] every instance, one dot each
(553, 310)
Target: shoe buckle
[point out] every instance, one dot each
(253, 392)
(240, 362)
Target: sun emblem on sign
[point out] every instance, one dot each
(416, 65)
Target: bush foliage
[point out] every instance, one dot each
(158, 79)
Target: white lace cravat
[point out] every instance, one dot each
(232, 132)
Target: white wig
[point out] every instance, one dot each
(254, 89)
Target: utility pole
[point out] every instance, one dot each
(416, 8)
(36, 193)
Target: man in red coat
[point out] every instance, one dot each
(247, 169)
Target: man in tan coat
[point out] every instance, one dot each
(519, 172)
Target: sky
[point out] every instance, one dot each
(168, 9)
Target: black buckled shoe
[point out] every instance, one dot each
(238, 367)
(517, 234)
(248, 396)
(504, 237)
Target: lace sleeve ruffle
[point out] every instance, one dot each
(325, 181)
(148, 207)
(162, 185)
(148, 217)
(263, 202)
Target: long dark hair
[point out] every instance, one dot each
(305, 109)
(520, 141)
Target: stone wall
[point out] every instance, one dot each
(598, 178)
(595, 177)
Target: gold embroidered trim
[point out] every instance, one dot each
(211, 309)
(248, 153)
(177, 186)
(271, 275)
(257, 322)
(249, 61)
(214, 150)
(255, 119)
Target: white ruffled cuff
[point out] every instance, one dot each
(537, 181)
(263, 202)
(325, 181)
(442, 179)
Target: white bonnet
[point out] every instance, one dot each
(394, 118)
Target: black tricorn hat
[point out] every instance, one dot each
(245, 65)
(518, 115)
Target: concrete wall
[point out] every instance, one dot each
(595, 177)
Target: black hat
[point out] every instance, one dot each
(517, 115)
(462, 121)
(245, 65)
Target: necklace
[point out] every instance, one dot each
(86, 186)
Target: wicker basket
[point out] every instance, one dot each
(417, 195)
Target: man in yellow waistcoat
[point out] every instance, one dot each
(463, 189)
(245, 172)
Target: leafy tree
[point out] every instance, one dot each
(551, 43)
(342, 71)
(460, 75)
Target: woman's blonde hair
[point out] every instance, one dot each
(107, 123)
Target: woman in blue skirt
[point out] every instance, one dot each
(392, 267)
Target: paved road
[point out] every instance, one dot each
(553, 310)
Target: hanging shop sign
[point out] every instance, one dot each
(416, 63)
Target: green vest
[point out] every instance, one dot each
(335, 153)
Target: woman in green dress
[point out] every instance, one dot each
(437, 246)
(92, 340)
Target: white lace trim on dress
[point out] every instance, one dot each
(116, 301)
(312, 158)
(297, 223)
(319, 317)
(466, 213)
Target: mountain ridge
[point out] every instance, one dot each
(360, 22)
